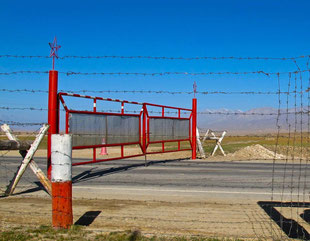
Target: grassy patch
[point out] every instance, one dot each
(43, 144)
(15, 235)
(284, 143)
(292, 142)
(44, 233)
(137, 236)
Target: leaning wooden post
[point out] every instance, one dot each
(62, 216)
(27, 160)
(34, 166)
(194, 127)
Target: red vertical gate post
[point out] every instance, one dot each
(163, 143)
(94, 149)
(53, 115)
(179, 116)
(62, 216)
(144, 118)
(194, 127)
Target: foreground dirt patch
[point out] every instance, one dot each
(207, 219)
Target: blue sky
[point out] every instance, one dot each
(152, 28)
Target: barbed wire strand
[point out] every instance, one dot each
(69, 73)
(32, 91)
(167, 112)
(154, 57)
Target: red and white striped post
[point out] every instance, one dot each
(62, 216)
(194, 127)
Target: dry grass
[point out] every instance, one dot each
(80, 233)
(291, 145)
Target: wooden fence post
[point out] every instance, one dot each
(34, 167)
(27, 159)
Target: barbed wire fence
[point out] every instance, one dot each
(285, 215)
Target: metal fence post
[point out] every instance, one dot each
(62, 216)
(194, 126)
(144, 117)
(53, 114)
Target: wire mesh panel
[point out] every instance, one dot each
(96, 129)
(163, 129)
(120, 128)
(123, 129)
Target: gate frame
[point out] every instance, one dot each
(94, 112)
(54, 99)
(163, 107)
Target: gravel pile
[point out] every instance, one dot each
(256, 152)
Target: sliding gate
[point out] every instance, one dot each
(151, 128)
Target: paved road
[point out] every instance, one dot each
(244, 180)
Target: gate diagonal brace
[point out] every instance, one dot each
(211, 136)
(27, 160)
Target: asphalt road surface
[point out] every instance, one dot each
(180, 178)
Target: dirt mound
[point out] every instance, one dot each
(255, 152)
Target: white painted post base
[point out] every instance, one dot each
(61, 150)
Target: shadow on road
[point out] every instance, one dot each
(289, 226)
(39, 187)
(92, 173)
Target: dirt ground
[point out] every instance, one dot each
(161, 218)
(166, 215)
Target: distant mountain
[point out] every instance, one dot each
(258, 120)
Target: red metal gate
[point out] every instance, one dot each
(165, 116)
(151, 125)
